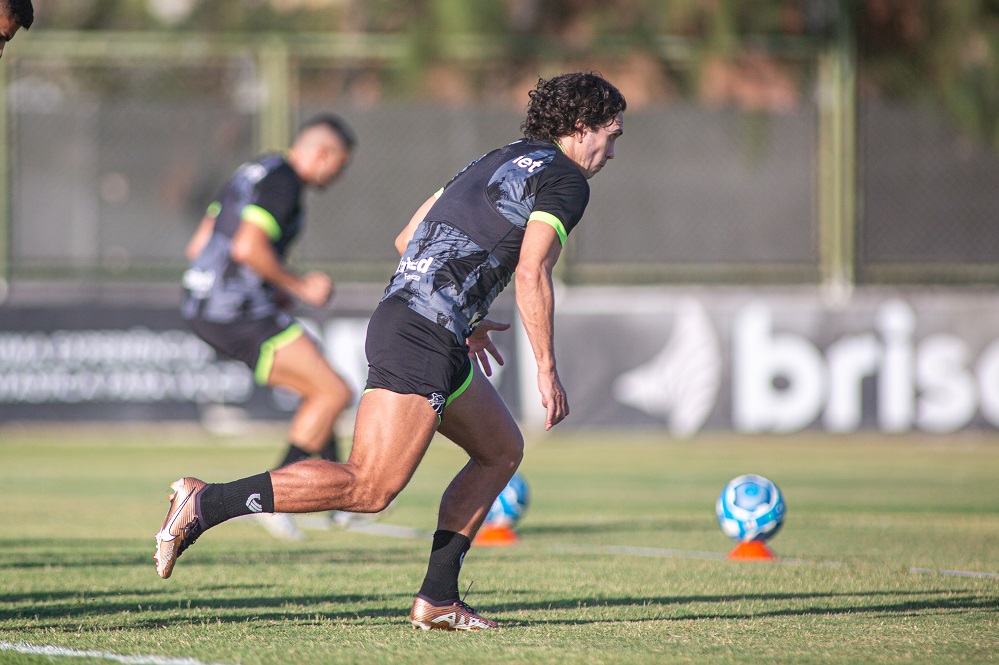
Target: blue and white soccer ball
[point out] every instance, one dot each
(511, 504)
(750, 508)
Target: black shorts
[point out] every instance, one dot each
(252, 342)
(411, 355)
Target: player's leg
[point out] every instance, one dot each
(300, 366)
(279, 353)
(290, 359)
(391, 436)
(479, 422)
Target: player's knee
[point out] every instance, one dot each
(373, 501)
(336, 394)
(517, 451)
(381, 501)
(509, 452)
(328, 401)
(372, 494)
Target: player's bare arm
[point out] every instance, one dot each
(200, 238)
(536, 304)
(406, 234)
(251, 248)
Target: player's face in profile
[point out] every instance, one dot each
(8, 27)
(598, 145)
(332, 163)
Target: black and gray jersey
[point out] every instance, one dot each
(266, 192)
(466, 249)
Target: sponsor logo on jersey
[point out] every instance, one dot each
(199, 282)
(253, 172)
(407, 267)
(531, 165)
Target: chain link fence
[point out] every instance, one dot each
(114, 153)
(929, 197)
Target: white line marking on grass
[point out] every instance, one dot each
(47, 650)
(956, 573)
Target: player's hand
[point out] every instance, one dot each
(553, 398)
(480, 347)
(282, 299)
(315, 289)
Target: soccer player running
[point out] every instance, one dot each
(505, 216)
(14, 14)
(238, 286)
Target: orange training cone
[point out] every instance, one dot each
(753, 550)
(496, 535)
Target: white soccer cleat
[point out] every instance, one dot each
(451, 615)
(181, 526)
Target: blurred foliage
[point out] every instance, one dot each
(937, 52)
(940, 51)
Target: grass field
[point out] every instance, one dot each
(621, 559)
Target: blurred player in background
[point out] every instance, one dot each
(14, 14)
(238, 286)
(505, 216)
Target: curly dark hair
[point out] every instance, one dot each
(558, 103)
(20, 11)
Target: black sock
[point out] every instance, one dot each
(223, 501)
(446, 556)
(294, 454)
(330, 452)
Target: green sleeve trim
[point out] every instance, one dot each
(265, 362)
(263, 219)
(552, 221)
(214, 208)
(438, 193)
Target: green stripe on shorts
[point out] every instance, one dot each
(270, 347)
(464, 385)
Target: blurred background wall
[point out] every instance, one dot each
(824, 157)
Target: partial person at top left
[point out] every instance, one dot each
(14, 15)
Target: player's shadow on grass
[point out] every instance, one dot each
(40, 597)
(141, 608)
(56, 553)
(895, 603)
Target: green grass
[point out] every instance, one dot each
(79, 506)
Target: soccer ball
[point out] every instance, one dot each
(511, 504)
(750, 508)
